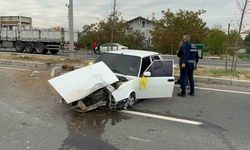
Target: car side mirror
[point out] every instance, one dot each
(147, 74)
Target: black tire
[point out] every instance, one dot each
(98, 52)
(131, 100)
(54, 51)
(19, 46)
(39, 48)
(45, 51)
(29, 47)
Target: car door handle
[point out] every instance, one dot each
(170, 80)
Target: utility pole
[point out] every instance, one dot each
(228, 34)
(71, 25)
(113, 15)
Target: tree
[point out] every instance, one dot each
(101, 32)
(246, 43)
(215, 41)
(247, 38)
(169, 29)
(232, 37)
(242, 5)
(88, 35)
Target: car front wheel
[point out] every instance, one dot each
(131, 100)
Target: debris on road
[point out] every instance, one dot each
(35, 74)
(55, 71)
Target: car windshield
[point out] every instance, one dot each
(123, 64)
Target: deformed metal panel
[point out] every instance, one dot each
(82, 82)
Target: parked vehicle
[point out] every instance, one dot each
(117, 80)
(111, 47)
(38, 41)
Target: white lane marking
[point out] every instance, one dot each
(138, 139)
(162, 117)
(226, 91)
(220, 90)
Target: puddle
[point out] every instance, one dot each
(85, 129)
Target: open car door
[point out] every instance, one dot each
(159, 80)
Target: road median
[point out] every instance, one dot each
(220, 81)
(47, 67)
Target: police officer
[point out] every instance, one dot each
(188, 62)
(191, 66)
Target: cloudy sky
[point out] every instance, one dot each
(51, 13)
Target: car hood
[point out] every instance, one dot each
(80, 83)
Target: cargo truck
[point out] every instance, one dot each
(14, 34)
(35, 41)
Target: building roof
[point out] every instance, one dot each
(245, 32)
(15, 20)
(133, 52)
(139, 17)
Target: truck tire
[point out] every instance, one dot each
(45, 51)
(29, 47)
(39, 48)
(19, 46)
(54, 51)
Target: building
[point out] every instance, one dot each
(143, 25)
(15, 22)
(245, 33)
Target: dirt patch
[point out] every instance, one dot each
(47, 59)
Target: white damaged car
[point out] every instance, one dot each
(117, 80)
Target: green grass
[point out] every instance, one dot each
(245, 56)
(217, 72)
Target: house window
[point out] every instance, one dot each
(143, 24)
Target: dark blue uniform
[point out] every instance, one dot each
(191, 66)
(190, 58)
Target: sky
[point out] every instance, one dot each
(48, 13)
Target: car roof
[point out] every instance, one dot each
(112, 43)
(133, 52)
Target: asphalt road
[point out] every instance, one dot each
(33, 117)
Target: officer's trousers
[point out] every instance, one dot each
(183, 77)
(185, 73)
(190, 75)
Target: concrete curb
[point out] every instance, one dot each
(205, 57)
(220, 81)
(24, 65)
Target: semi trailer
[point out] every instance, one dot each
(16, 32)
(35, 41)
